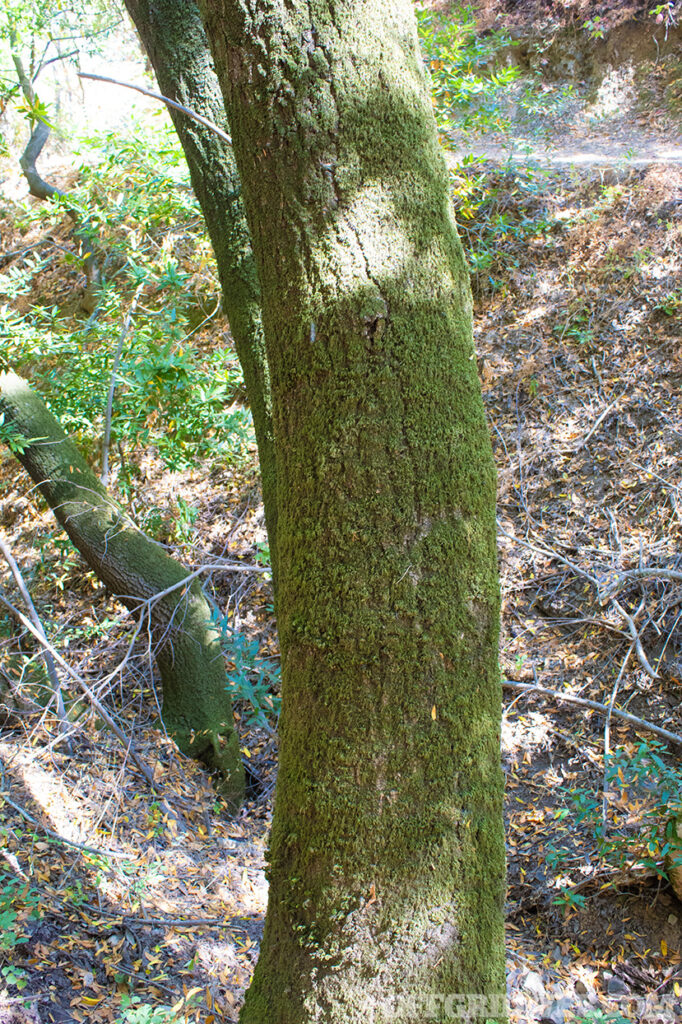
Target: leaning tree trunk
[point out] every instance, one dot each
(197, 711)
(174, 38)
(387, 856)
(41, 189)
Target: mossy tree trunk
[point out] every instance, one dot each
(197, 710)
(387, 857)
(173, 36)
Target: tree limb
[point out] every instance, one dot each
(163, 99)
(641, 723)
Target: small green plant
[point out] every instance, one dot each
(183, 524)
(138, 1012)
(10, 436)
(18, 902)
(577, 328)
(555, 856)
(595, 27)
(569, 900)
(15, 976)
(253, 677)
(665, 14)
(600, 1017)
(671, 304)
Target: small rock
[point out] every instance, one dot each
(557, 1010)
(616, 987)
(533, 985)
(581, 988)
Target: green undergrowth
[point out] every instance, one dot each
(629, 823)
(178, 384)
(500, 212)
(470, 76)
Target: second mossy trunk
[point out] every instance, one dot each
(175, 41)
(387, 867)
(197, 710)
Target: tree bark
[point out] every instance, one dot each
(173, 36)
(41, 189)
(197, 711)
(387, 868)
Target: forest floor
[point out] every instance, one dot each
(118, 902)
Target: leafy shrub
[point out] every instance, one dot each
(177, 390)
(254, 678)
(644, 794)
(467, 78)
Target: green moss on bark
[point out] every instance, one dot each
(387, 856)
(174, 38)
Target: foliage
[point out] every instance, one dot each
(498, 214)
(137, 1012)
(10, 436)
(467, 80)
(18, 901)
(171, 394)
(644, 792)
(600, 1017)
(33, 36)
(253, 677)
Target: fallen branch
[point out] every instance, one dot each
(598, 423)
(671, 737)
(632, 629)
(97, 705)
(638, 574)
(55, 682)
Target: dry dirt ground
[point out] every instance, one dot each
(128, 900)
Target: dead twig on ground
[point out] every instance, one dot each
(50, 668)
(97, 705)
(671, 737)
(632, 629)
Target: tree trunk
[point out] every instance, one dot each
(41, 189)
(174, 38)
(196, 708)
(387, 856)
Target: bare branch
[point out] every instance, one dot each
(35, 618)
(641, 723)
(640, 574)
(96, 703)
(163, 99)
(632, 629)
